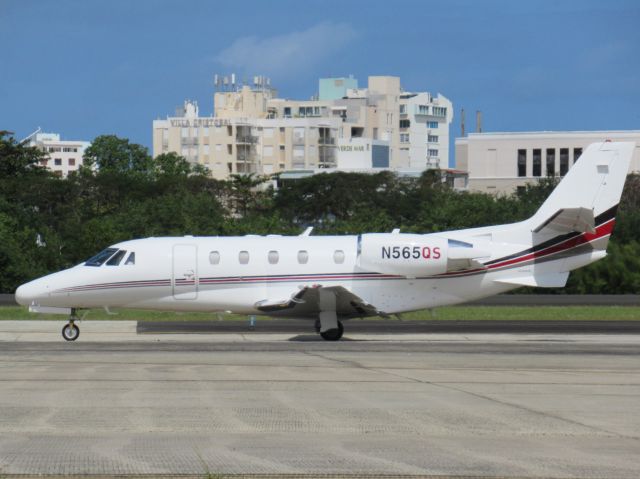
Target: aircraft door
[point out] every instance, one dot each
(185, 272)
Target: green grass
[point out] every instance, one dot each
(450, 313)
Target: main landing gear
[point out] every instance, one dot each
(71, 332)
(327, 323)
(333, 334)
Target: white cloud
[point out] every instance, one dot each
(281, 55)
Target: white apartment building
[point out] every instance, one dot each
(253, 131)
(502, 162)
(424, 130)
(64, 156)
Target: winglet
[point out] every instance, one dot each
(307, 232)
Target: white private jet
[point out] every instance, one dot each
(333, 278)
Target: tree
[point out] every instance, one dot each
(17, 160)
(108, 153)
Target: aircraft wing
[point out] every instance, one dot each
(567, 220)
(306, 304)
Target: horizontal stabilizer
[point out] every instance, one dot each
(568, 220)
(551, 280)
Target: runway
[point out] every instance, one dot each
(506, 406)
(395, 327)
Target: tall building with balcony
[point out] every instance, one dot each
(254, 131)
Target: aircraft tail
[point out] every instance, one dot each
(572, 227)
(586, 199)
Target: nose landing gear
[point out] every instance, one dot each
(71, 332)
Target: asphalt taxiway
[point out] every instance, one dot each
(447, 405)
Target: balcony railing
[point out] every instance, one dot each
(247, 139)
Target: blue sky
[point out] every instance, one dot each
(84, 68)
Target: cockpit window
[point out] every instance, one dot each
(131, 259)
(116, 258)
(101, 257)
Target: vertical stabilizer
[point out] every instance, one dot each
(595, 182)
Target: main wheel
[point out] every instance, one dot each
(70, 332)
(333, 334)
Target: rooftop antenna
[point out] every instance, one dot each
(462, 122)
(478, 121)
(26, 139)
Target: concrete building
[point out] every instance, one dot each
(503, 162)
(335, 88)
(254, 131)
(64, 156)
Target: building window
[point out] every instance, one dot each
(522, 163)
(537, 162)
(403, 109)
(405, 123)
(243, 257)
(303, 257)
(424, 110)
(287, 112)
(57, 162)
(432, 124)
(551, 161)
(72, 162)
(432, 153)
(564, 161)
(214, 257)
(404, 137)
(432, 138)
(273, 257)
(184, 132)
(338, 256)
(577, 152)
(440, 111)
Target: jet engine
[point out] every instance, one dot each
(413, 255)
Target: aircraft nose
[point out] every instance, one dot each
(28, 293)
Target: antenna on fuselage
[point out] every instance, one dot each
(307, 232)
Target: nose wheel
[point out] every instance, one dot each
(70, 332)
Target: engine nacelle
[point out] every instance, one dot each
(408, 255)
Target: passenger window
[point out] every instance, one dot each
(131, 259)
(116, 258)
(274, 257)
(338, 256)
(214, 257)
(303, 257)
(243, 257)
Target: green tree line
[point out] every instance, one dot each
(48, 223)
